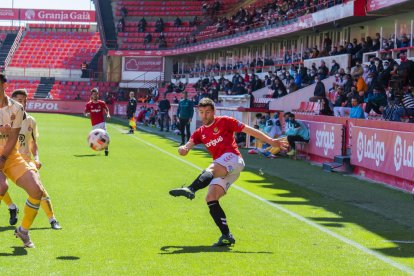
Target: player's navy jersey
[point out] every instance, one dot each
(219, 136)
(97, 111)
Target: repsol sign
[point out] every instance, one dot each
(42, 106)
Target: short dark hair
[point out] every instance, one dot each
(3, 78)
(18, 92)
(204, 102)
(94, 90)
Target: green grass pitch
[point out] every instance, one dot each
(118, 218)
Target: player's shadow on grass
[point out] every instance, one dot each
(41, 228)
(6, 228)
(17, 251)
(85, 155)
(173, 249)
(67, 258)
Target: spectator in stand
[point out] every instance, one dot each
(341, 50)
(216, 6)
(185, 114)
(124, 12)
(170, 87)
(175, 100)
(204, 8)
(348, 84)
(84, 69)
(162, 44)
(161, 37)
(279, 90)
(148, 38)
(327, 44)
(163, 108)
(154, 93)
(325, 108)
(323, 70)
(295, 131)
(292, 86)
(121, 25)
(159, 25)
(298, 79)
(406, 70)
(385, 75)
(375, 101)
(360, 83)
(405, 42)
(356, 111)
(177, 22)
(358, 70)
(142, 25)
(334, 52)
(315, 52)
(335, 68)
(320, 91)
(194, 22)
(342, 105)
(407, 108)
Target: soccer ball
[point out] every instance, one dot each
(98, 139)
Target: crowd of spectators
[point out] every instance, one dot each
(382, 88)
(267, 14)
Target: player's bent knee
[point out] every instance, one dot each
(3, 187)
(215, 192)
(30, 182)
(218, 170)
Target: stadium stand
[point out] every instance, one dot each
(66, 50)
(29, 85)
(131, 37)
(169, 8)
(7, 37)
(69, 90)
(56, 27)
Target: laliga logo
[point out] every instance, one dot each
(360, 147)
(370, 148)
(403, 154)
(29, 14)
(325, 139)
(398, 153)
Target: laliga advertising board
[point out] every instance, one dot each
(385, 151)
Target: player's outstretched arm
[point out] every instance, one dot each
(35, 152)
(183, 150)
(263, 137)
(107, 111)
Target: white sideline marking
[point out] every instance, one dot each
(290, 213)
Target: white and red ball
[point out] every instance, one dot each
(98, 139)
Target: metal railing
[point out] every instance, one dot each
(14, 47)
